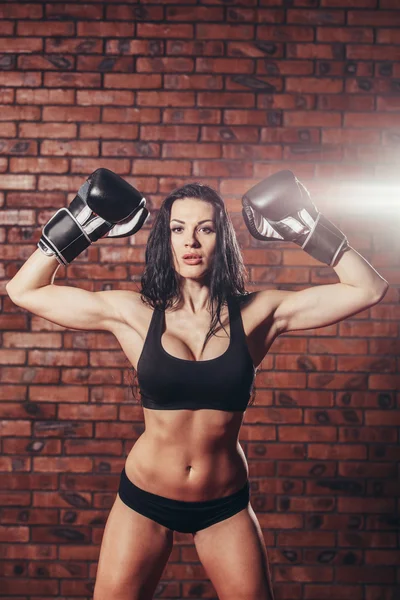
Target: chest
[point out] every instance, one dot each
(183, 337)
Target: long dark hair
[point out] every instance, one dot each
(160, 283)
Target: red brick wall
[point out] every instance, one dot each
(225, 93)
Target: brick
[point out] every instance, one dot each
(387, 36)
(224, 65)
(17, 182)
(132, 48)
(70, 148)
(290, 135)
(234, 2)
(259, 84)
(195, 48)
(261, 15)
(71, 114)
(314, 85)
(130, 114)
(365, 52)
(7, 96)
(312, 51)
(13, 79)
(351, 136)
(91, 80)
(198, 13)
(371, 120)
(225, 99)
(312, 119)
(316, 17)
(260, 49)
(105, 29)
(169, 132)
(193, 82)
(189, 115)
(179, 150)
(285, 102)
(314, 152)
(302, 169)
(164, 65)
(35, 28)
(251, 152)
(285, 67)
(19, 113)
(109, 132)
(38, 165)
(161, 167)
(211, 133)
(161, 30)
(224, 31)
(21, 11)
(45, 96)
(388, 103)
(165, 99)
(73, 45)
(20, 45)
(368, 85)
(341, 68)
(133, 13)
(346, 102)
(135, 81)
(223, 168)
(351, 3)
(356, 35)
(245, 117)
(285, 33)
(283, 274)
(61, 11)
(50, 130)
(374, 18)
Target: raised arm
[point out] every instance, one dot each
(105, 204)
(32, 288)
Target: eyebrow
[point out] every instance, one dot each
(203, 221)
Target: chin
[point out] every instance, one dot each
(186, 274)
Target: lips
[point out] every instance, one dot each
(191, 256)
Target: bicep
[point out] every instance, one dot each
(72, 307)
(321, 305)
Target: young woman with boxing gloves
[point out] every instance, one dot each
(196, 339)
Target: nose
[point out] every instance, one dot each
(191, 240)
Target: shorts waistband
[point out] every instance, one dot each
(184, 503)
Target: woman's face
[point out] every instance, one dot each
(192, 229)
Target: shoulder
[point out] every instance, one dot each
(131, 308)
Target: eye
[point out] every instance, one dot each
(205, 228)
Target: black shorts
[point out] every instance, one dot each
(179, 515)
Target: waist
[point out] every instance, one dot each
(191, 474)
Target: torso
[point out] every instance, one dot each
(185, 454)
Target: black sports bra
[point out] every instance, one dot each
(222, 383)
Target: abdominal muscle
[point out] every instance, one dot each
(189, 455)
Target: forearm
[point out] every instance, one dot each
(354, 270)
(37, 271)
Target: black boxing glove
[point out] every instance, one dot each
(280, 208)
(105, 205)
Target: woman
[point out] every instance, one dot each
(187, 472)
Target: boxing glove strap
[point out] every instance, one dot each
(325, 241)
(63, 237)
